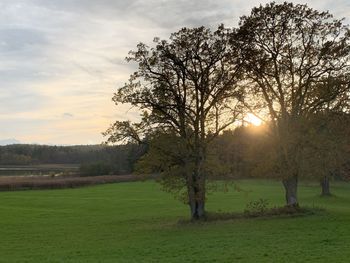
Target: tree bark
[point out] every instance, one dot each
(291, 186)
(325, 186)
(196, 194)
(197, 209)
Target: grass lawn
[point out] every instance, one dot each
(137, 222)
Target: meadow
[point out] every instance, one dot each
(38, 170)
(137, 222)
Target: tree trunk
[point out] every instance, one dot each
(196, 194)
(325, 186)
(291, 186)
(196, 184)
(197, 209)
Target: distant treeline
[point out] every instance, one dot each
(109, 159)
(244, 152)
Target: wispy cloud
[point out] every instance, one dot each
(61, 60)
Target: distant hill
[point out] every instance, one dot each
(9, 141)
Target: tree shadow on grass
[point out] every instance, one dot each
(275, 212)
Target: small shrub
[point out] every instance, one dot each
(259, 206)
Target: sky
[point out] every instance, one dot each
(62, 60)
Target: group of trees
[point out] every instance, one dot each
(95, 159)
(287, 64)
(248, 151)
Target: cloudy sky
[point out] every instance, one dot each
(61, 60)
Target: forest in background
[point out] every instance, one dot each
(243, 152)
(92, 159)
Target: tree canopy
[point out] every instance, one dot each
(297, 64)
(186, 86)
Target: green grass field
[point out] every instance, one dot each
(137, 222)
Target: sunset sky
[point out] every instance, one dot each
(61, 60)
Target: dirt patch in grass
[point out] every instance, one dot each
(14, 183)
(280, 212)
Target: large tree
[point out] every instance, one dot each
(296, 62)
(187, 89)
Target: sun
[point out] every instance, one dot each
(252, 119)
